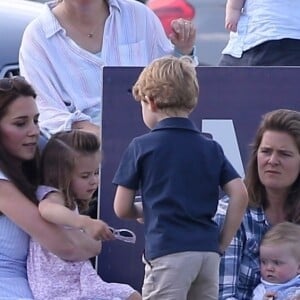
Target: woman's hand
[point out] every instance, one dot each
(183, 36)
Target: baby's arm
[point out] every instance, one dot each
(238, 202)
(53, 210)
(233, 12)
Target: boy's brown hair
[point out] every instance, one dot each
(170, 82)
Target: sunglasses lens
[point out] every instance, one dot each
(125, 233)
(6, 84)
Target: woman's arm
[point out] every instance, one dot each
(66, 243)
(55, 94)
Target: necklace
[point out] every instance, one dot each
(67, 20)
(70, 25)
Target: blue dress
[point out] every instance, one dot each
(14, 243)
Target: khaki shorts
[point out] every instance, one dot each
(184, 275)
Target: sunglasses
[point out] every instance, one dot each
(124, 235)
(7, 84)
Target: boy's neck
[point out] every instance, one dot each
(172, 115)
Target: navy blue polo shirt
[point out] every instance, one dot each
(178, 172)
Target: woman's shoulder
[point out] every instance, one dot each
(43, 25)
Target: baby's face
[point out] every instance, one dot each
(278, 263)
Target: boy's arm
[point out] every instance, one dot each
(53, 210)
(238, 202)
(124, 204)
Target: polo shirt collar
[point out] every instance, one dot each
(176, 123)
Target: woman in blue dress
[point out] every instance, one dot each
(19, 216)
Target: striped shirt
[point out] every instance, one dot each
(67, 78)
(239, 266)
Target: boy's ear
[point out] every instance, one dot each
(152, 104)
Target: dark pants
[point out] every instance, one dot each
(285, 52)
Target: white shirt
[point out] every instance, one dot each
(284, 291)
(67, 78)
(263, 21)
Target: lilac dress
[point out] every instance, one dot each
(13, 252)
(53, 278)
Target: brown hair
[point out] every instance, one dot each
(170, 82)
(25, 178)
(59, 160)
(284, 233)
(282, 120)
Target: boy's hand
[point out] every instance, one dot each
(140, 220)
(97, 229)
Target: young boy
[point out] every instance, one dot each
(233, 13)
(280, 264)
(178, 172)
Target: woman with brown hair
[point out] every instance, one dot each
(273, 183)
(20, 218)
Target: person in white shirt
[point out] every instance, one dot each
(267, 33)
(280, 263)
(64, 50)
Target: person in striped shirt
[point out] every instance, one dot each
(64, 50)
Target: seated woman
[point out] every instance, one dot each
(273, 183)
(19, 215)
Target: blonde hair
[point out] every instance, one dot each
(170, 82)
(284, 233)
